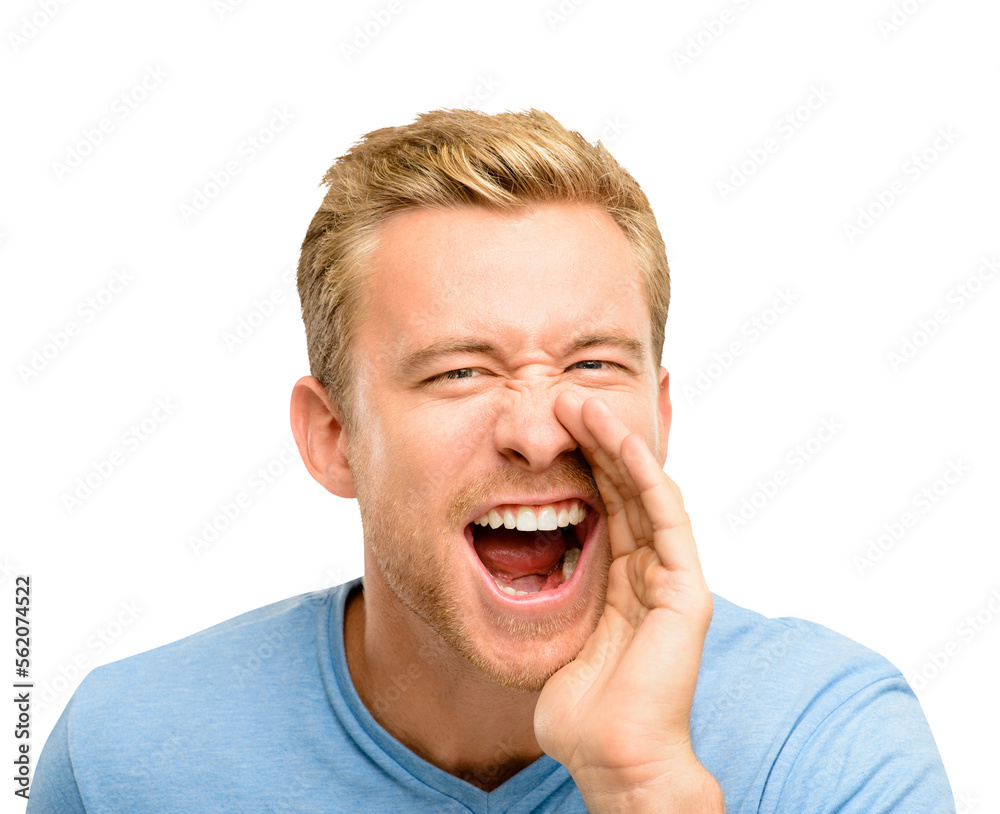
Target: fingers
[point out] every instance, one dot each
(569, 411)
(644, 505)
(664, 506)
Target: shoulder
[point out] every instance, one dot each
(166, 705)
(741, 637)
(779, 666)
(218, 652)
(783, 699)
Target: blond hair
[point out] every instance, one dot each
(447, 159)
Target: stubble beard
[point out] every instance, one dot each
(405, 550)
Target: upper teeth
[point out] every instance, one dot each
(535, 518)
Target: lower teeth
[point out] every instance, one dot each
(570, 560)
(507, 589)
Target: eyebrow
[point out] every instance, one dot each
(413, 363)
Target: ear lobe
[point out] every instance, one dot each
(321, 436)
(665, 412)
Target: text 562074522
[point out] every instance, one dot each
(22, 687)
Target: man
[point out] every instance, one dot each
(484, 301)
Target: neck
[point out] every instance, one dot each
(431, 699)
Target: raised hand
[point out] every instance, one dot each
(618, 715)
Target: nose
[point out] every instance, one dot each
(527, 432)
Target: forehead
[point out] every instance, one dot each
(522, 281)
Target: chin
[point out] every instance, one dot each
(516, 641)
(522, 653)
(530, 672)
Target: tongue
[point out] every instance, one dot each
(510, 553)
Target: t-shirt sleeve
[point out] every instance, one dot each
(53, 788)
(873, 753)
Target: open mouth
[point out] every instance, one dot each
(531, 549)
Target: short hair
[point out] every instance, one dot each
(448, 159)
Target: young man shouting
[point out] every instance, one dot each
(484, 300)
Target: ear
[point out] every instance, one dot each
(665, 413)
(321, 436)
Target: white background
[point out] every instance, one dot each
(72, 214)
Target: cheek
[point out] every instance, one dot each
(638, 414)
(425, 452)
(438, 456)
(454, 435)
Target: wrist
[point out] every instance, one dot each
(690, 789)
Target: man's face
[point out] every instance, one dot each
(473, 323)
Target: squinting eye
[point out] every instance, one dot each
(452, 374)
(597, 362)
(463, 373)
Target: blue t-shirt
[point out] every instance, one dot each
(259, 714)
